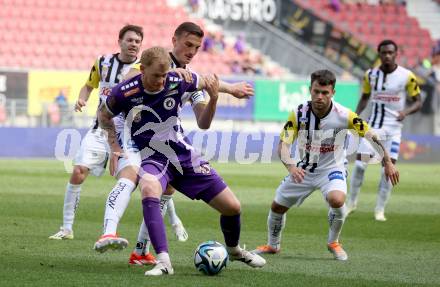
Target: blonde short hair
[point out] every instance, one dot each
(154, 54)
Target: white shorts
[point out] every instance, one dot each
(132, 156)
(290, 193)
(130, 159)
(93, 152)
(390, 138)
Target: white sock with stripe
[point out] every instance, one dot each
(117, 202)
(71, 202)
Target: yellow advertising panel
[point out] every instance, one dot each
(46, 86)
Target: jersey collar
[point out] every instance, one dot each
(178, 65)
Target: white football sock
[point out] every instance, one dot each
(164, 203)
(117, 202)
(143, 241)
(171, 211)
(275, 225)
(357, 178)
(164, 257)
(383, 195)
(336, 218)
(71, 202)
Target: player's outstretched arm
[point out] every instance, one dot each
(241, 90)
(390, 170)
(205, 111)
(83, 97)
(105, 119)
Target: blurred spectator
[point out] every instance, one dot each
(219, 42)
(240, 45)
(208, 43)
(259, 65)
(53, 111)
(236, 67)
(194, 4)
(335, 5)
(61, 100)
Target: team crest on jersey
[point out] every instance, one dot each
(169, 103)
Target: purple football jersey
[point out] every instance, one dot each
(153, 118)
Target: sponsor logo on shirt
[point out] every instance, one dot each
(131, 92)
(386, 98)
(336, 175)
(173, 92)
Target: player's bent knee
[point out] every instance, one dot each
(226, 203)
(170, 190)
(79, 174)
(150, 187)
(130, 173)
(234, 208)
(336, 198)
(277, 208)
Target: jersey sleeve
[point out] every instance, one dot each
(94, 76)
(412, 87)
(136, 66)
(192, 87)
(290, 129)
(357, 124)
(115, 101)
(197, 97)
(366, 88)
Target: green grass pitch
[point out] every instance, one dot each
(404, 251)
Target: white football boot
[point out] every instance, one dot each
(180, 232)
(160, 269)
(248, 257)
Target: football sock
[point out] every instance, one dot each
(275, 226)
(71, 202)
(336, 218)
(117, 202)
(164, 199)
(143, 241)
(230, 226)
(357, 178)
(154, 222)
(385, 187)
(171, 211)
(164, 257)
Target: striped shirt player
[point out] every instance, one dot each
(387, 89)
(92, 156)
(388, 94)
(319, 150)
(107, 72)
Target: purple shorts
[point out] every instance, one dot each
(200, 182)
